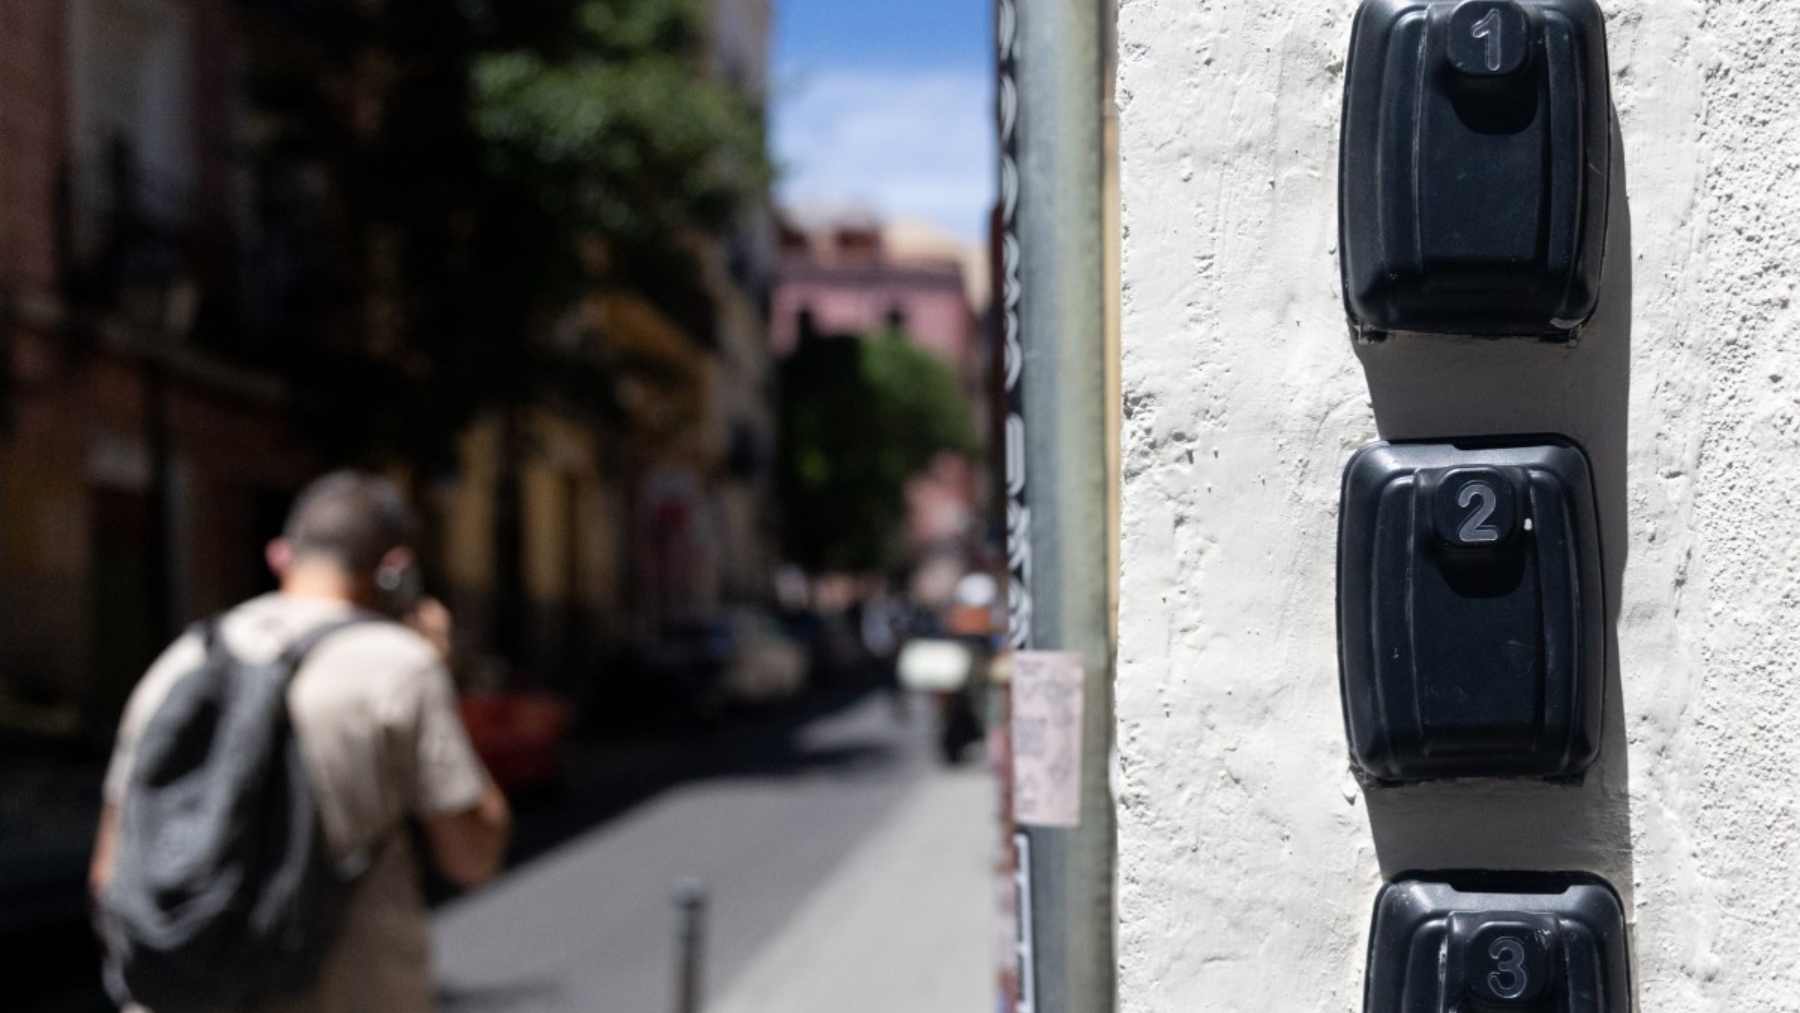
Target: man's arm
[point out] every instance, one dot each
(468, 842)
(467, 845)
(100, 866)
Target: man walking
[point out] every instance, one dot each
(374, 713)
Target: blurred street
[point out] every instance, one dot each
(653, 391)
(838, 855)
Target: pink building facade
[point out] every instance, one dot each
(848, 278)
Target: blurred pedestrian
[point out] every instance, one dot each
(883, 618)
(378, 739)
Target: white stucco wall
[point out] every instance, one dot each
(1248, 856)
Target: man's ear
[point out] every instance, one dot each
(279, 555)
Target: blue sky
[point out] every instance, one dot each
(887, 105)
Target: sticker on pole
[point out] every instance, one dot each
(1046, 738)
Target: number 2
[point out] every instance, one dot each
(1509, 980)
(1489, 28)
(1475, 527)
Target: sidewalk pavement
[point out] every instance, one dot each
(904, 925)
(835, 852)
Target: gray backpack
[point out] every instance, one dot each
(222, 887)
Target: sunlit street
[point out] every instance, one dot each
(835, 851)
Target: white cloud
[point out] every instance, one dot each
(905, 143)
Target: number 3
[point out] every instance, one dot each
(1489, 28)
(1475, 528)
(1509, 981)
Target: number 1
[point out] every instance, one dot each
(1489, 28)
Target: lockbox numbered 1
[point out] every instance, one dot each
(1475, 165)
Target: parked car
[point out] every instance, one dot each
(766, 664)
(699, 668)
(682, 668)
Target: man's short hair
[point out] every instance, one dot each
(352, 518)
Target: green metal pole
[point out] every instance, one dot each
(1054, 184)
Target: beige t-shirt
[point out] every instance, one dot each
(376, 717)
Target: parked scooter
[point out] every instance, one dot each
(947, 659)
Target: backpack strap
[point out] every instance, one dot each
(207, 631)
(296, 651)
(352, 866)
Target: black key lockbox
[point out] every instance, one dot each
(1470, 610)
(1475, 161)
(1497, 943)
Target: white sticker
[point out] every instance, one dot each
(1046, 738)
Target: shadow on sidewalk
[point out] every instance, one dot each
(606, 777)
(526, 994)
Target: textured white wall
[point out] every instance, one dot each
(1248, 856)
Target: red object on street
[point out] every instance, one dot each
(516, 735)
(970, 620)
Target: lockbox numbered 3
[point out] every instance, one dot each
(1492, 943)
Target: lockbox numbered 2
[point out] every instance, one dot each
(1471, 610)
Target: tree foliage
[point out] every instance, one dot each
(614, 132)
(859, 418)
(605, 127)
(436, 182)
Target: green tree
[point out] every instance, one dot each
(859, 417)
(600, 121)
(439, 181)
(436, 183)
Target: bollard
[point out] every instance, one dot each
(690, 933)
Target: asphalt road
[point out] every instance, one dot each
(780, 824)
